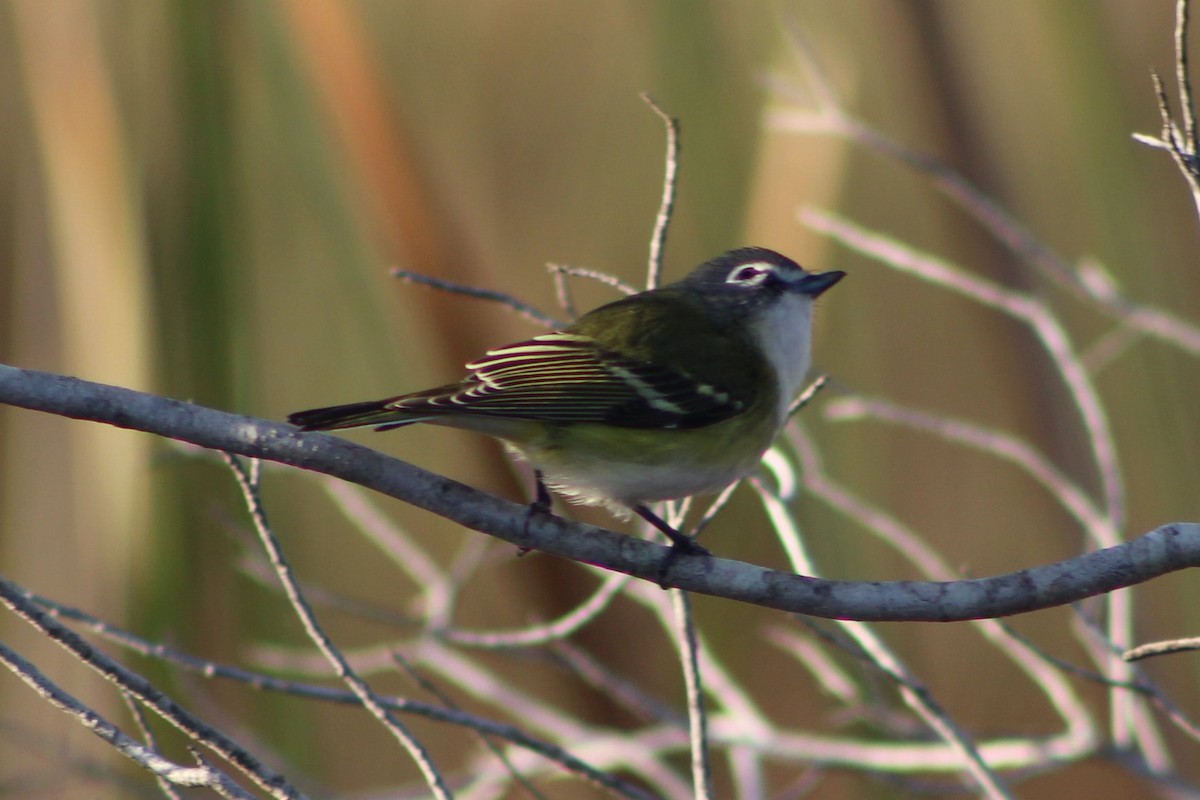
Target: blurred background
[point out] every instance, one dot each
(203, 200)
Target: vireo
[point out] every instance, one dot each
(664, 394)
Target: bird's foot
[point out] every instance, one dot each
(681, 544)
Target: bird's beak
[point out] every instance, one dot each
(814, 283)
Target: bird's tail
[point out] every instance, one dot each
(354, 415)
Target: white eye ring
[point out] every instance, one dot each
(749, 274)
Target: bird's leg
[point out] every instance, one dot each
(681, 544)
(541, 504)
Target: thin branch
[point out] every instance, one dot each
(248, 483)
(1041, 320)
(493, 296)
(138, 687)
(145, 757)
(401, 548)
(1172, 140)
(829, 117)
(1180, 140)
(1183, 77)
(1131, 725)
(623, 692)
(714, 508)
(1020, 306)
(562, 287)
(1047, 327)
(603, 278)
(1079, 736)
(1168, 647)
(869, 646)
(998, 444)
(143, 726)
(1139, 684)
(445, 699)
(832, 679)
(658, 241)
(210, 669)
(694, 685)
(808, 395)
(547, 633)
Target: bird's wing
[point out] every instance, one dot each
(566, 377)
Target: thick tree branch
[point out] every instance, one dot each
(1167, 549)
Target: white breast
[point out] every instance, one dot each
(784, 333)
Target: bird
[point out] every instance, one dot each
(664, 394)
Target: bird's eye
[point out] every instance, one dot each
(749, 274)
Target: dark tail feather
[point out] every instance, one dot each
(353, 415)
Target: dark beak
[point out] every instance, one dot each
(814, 283)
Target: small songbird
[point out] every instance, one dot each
(664, 394)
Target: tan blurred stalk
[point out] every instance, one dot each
(78, 526)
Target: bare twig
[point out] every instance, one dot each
(996, 443)
(547, 633)
(1048, 328)
(810, 392)
(1078, 738)
(143, 725)
(829, 117)
(658, 241)
(871, 647)
(714, 508)
(1168, 647)
(401, 548)
(563, 288)
(1183, 75)
(146, 757)
(248, 482)
(1139, 684)
(1022, 307)
(445, 699)
(697, 717)
(630, 697)
(212, 669)
(137, 687)
(603, 278)
(491, 295)
(1180, 139)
